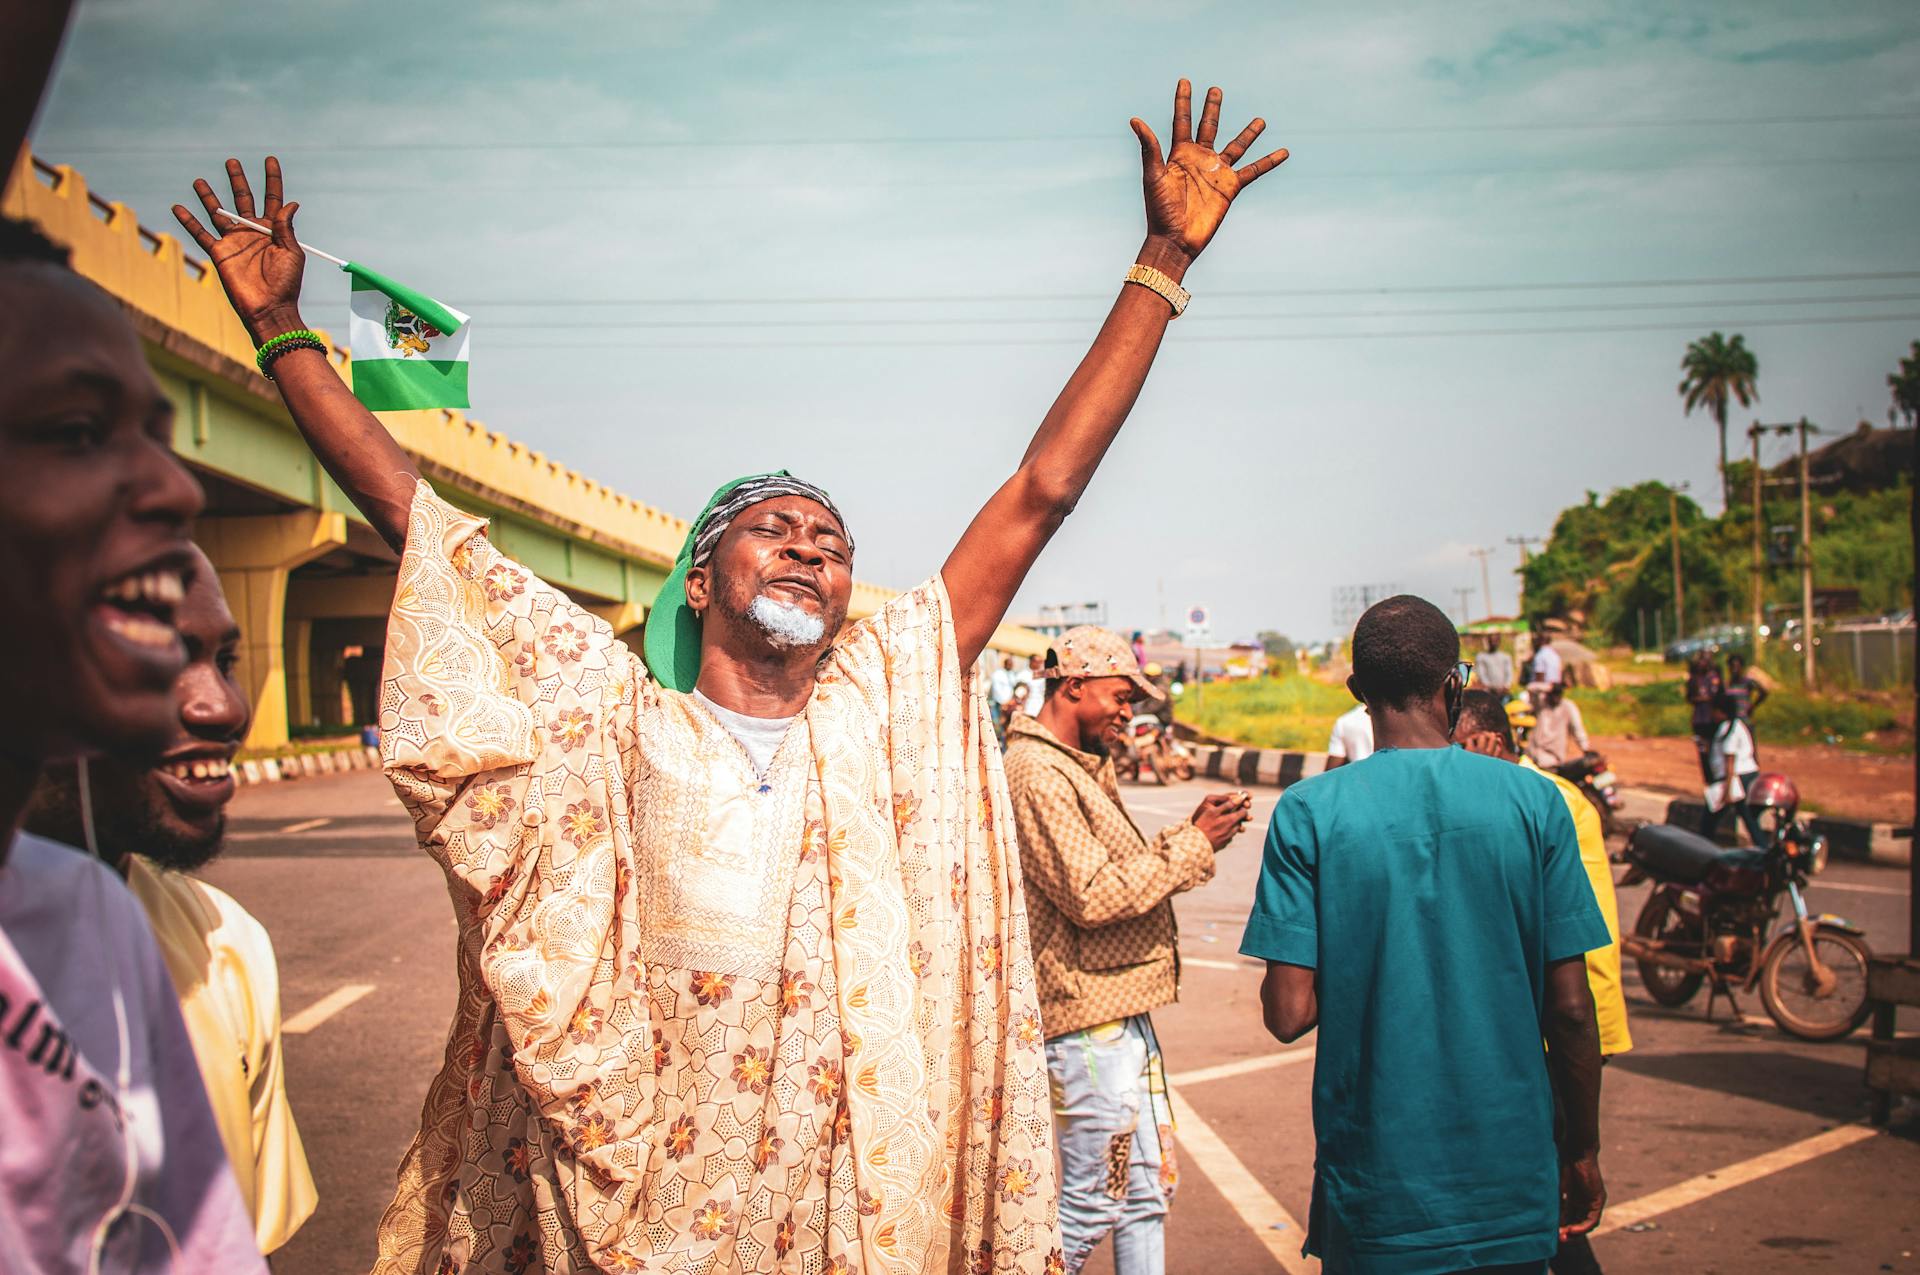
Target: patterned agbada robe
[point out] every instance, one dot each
(710, 1022)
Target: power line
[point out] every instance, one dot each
(1007, 139)
(1725, 281)
(538, 188)
(1275, 337)
(1000, 320)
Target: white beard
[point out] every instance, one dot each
(786, 624)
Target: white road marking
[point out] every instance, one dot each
(305, 825)
(1857, 889)
(1222, 1071)
(1710, 1184)
(324, 1008)
(1207, 963)
(1278, 1231)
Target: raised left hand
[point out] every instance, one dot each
(1189, 191)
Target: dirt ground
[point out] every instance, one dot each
(1831, 780)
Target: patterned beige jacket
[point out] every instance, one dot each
(1100, 895)
(710, 1021)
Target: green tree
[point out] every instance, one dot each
(1905, 385)
(1718, 370)
(1278, 646)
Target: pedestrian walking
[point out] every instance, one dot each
(1703, 686)
(1484, 728)
(1351, 739)
(1427, 911)
(1545, 668)
(1493, 670)
(1003, 688)
(1733, 763)
(1747, 691)
(1035, 686)
(1559, 734)
(1100, 904)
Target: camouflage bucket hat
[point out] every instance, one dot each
(1088, 651)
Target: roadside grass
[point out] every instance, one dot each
(1861, 721)
(1298, 712)
(1294, 711)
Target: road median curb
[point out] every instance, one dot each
(271, 770)
(1856, 840)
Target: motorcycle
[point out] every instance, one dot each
(1596, 781)
(1146, 740)
(1588, 772)
(1712, 917)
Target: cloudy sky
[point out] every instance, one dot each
(868, 242)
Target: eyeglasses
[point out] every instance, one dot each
(1464, 671)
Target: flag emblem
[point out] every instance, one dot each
(407, 332)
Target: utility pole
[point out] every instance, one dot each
(1486, 580)
(1464, 595)
(1759, 561)
(1523, 542)
(1808, 677)
(1679, 584)
(1754, 432)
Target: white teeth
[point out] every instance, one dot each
(204, 771)
(162, 588)
(141, 631)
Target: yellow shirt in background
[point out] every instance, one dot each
(222, 965)
(1603, 963)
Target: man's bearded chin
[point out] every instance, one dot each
(131, 815)
(786, 625)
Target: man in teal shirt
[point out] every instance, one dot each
(1427, 909)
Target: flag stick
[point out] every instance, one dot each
(307, 247)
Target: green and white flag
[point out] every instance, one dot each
(409, 351)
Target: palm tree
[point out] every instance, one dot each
(1718, 369)
(1905, 385)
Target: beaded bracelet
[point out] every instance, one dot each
(273, 348)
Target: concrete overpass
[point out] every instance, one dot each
(308, 579)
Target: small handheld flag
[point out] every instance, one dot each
(409, 351)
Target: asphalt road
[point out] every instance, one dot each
(364, 932)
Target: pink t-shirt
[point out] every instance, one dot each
(109, 1143)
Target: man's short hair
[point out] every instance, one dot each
(1482, 710)
(1403, 649)
(21, 242)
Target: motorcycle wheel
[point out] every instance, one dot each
(1668, 986)
(1159, 769)
(1786, 987)
(1127, 769)
(1183, 770)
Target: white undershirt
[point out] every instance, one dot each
(759, 736)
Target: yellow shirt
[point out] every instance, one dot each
(222, 965)
(1603, 964)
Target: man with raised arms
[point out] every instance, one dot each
(744, 972)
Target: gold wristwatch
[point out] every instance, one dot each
(1155, 281)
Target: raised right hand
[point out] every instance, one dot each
(261, 272)
(1221, 815)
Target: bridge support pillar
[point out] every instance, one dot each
(254, 556)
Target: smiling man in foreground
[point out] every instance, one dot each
(154, 824)
(745, 981)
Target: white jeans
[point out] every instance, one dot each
(1114, 1133)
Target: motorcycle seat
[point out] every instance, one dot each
(1675, 854)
